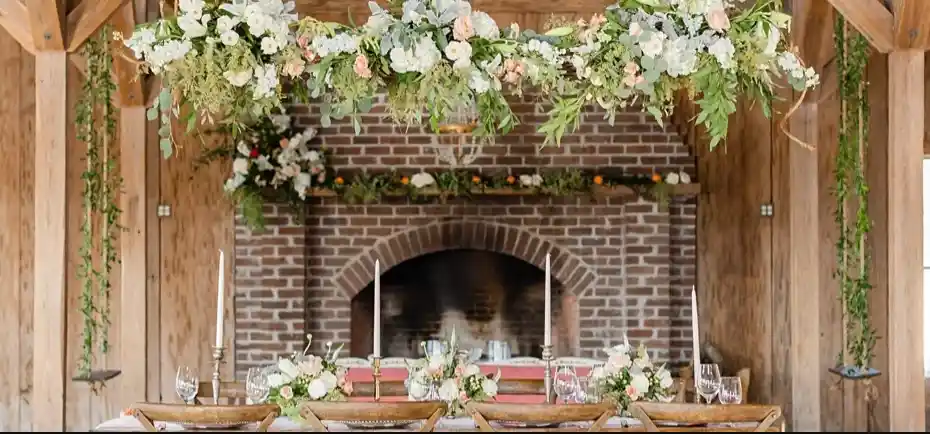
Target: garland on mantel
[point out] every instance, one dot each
(852, 252)
(274, 161)
(96, 127)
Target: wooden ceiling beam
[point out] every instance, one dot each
(912, 24)
(87, 18)
(871, 19)
(128, 82)
(46, 18)
(814, 32)
(15, 19)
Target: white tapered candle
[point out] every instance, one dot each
(377, 349)
(219, 302)
(548, 328)
(695, 340)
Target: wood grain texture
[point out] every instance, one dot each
(734, 249)
(87, 17)
(905, 232)
(128, 84)
(46, 19)
(871, 19)
(200, 224)
(912, 24)
(50, 189)
(15, 19)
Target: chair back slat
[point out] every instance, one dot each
(486, 412)
(752, 417)
(315, 412)
(147, 413)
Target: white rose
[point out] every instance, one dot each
(640, 383)
(478, 82)
(484, 25)
(722, 49)
(288, 368)
(241, 165)
(329, 380)
(238, 79)
(422, 179)
(459, 53)
(717, 18)
(448, 391)
(472, 370)
(269, 45)
(653, 47)
(317, 389)
(490, 387)
(229, 38)
(671, 178)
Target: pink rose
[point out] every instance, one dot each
(631, 391)
(309, 55)
(321, 178)
(463, 29)
(315, 170)
(717, 19)
(284, 142)
(361, 66)
(287, 392)
(631, 68)
(302, 42)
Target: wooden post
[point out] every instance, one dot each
(133, 247)
(49, 306)
(905, 235)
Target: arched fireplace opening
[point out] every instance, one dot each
(483, 295)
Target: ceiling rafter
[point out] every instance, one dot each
(46, 18)
(871, 19)
(87, 17)
(15, 19)
(129, 84)
(912, 24)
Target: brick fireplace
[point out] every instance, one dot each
(619, 265)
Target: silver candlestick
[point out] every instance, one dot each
(547, 358)
(217, 361)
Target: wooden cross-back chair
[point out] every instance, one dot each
(148, 413)
(231, 393)
(486, 412)
(315, 412)
(699, 417)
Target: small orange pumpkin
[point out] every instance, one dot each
(598, 180)
(340, 181)
(405, 180)
(656, 178)
(511, 179)
(476, 179)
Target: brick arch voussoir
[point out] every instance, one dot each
(574, 274)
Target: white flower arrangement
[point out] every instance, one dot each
(305, 377)
(449, 377)
(630, 376)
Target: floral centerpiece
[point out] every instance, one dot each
(448, 376)
(305, 377)
(649, 50)
(630, 376)
(272, 156)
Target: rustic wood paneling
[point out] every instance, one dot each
(200, 224)
(734, 249)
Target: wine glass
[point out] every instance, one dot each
(186, 384)
(566, 383)
(256, 385)
(731, 390)
(593, 391)
(417, 391)
(581, 392)
(709, 382)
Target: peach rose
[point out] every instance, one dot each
(361, 66)
(287, 392)
(295, 67)
(631, 68)
(717, 19)
(302, 42)
(463, 29)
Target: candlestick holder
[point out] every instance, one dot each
(547, 359)
(376, 374)
(217, 362)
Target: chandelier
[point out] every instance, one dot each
(457, 146)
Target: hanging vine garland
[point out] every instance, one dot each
(96, 127)
(852, 253)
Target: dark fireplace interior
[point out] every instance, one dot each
(482, 295)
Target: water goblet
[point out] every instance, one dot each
(731, 390)
(709, 382)
(566, 383)
(186, 384)
(581, 392)
(256, 385)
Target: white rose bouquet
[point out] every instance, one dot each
(305, 377)
(630, 376)
(450, 378)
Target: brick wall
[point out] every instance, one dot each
(628, 264)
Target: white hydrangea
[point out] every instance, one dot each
(422, 179)
(681, 56)
(421, 58)
(266, 81)
(478, 82)
(168, 52)
(141, 42)
(722, 49)
(545, 50)
(653, 47)
(484, 25)
(459, 53)
(378, 23)
(340, 43)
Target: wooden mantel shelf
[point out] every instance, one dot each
(676, 190)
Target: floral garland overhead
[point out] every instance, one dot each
(273, 160)
(228, 60)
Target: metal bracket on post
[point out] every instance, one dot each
(767, 210)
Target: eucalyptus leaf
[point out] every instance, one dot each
(647, 62)
(164, 98)
(656, 114)
(357, 125)
(661, 65)
(152, 113)
(651, 75)
(559, 31)
(166, 148)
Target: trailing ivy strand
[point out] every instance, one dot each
(852, 253)
(96, 127)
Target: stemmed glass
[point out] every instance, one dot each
(256, 385)
(566, 383)
(186, 384)
(731, 390)
(709, 382)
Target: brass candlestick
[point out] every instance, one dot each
(217, 361)
(376, 373)
(547, 358)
